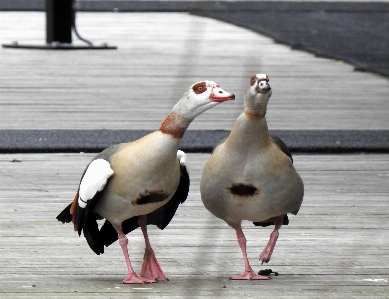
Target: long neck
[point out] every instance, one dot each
(174, 125)
(254, 107)
(249, 129)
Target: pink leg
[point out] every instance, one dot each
(267, 252)
(132, 277)
(248, 273)
(150, 268)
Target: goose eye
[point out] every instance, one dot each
(199, 87)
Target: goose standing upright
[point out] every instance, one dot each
(138, 183)
(250, 176)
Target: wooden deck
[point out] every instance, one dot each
(159, 56)
(336, 247)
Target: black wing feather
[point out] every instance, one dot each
(161, 217)
(283, 147)
(92, 234)
(87, 221)
(86, 218)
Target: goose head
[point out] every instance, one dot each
(258, 94)
(200, 97)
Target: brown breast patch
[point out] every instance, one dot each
(149, 197)
(242, 190)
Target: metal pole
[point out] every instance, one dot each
(60, 20)
(59, 15)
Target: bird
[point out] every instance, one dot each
(250, 176)
(143, 182)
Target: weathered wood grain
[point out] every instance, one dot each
(337, 247)
(159, 56)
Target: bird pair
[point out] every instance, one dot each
(250, 176)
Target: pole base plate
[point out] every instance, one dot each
(59, 46)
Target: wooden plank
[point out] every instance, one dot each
(159, 56)
(336, 247)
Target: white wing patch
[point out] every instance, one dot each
(181, 156)
(94, 180)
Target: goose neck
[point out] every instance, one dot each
(175, 125)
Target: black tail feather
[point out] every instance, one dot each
(65, 216)
(264, 224)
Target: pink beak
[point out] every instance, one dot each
(219, 95)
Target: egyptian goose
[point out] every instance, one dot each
(250, 176)
(138, 183)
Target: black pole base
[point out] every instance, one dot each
(59, 46)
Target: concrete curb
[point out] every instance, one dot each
(306, 141)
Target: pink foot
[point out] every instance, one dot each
(265, 256)
(151, 268)
(249, 275)
(135, 279)
(268, 251)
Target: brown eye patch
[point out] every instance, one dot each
(199, 87)
(253, 79)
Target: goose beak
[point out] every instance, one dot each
(264, 90)
(219, 95)
(263, 87)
